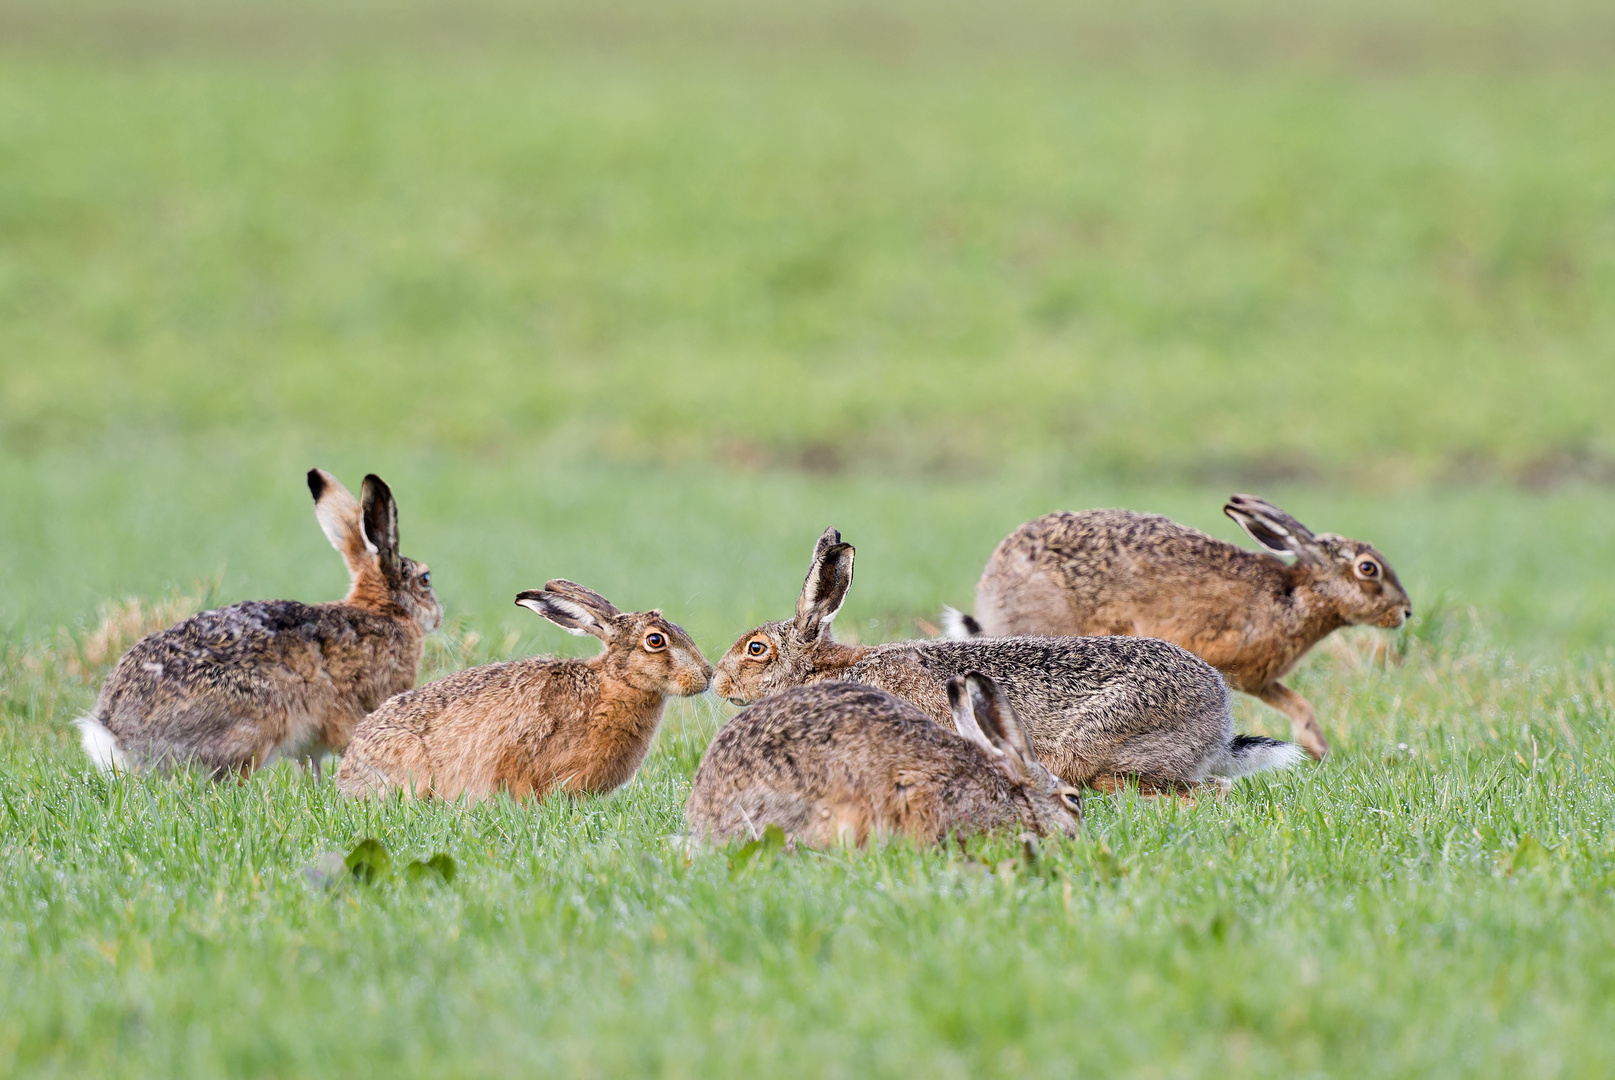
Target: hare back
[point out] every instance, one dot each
(1092, 705)
(236, 686)
(523, 727)
(835, 762)
(1118, 572)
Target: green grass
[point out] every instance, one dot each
(646, 295)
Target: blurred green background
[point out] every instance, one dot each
(647, 294)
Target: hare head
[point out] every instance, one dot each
(782, 654)
(982, 714)
(643, 649)
(1350, 573)
(365, 531)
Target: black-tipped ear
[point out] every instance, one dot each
(585, 596)
(964, 715)
(825, 590)
(381, 521)
(1271, 527)
(316, 483)
(570, 615)
(997, 717)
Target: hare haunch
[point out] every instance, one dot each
(1247, 613)
(837, 762)
(1099, 710)
(234, 688)
(528, 726)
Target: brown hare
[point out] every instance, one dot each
(840, 762)
(1249, 614)
(1099, 710)
(232, 689)
(529, 726)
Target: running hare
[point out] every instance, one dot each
(529, 726)
(837, 762)
(1098, 709)
(1248, 613)
(234, 688)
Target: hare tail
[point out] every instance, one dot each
(958, 626)
(1248, 754)
(101, 745)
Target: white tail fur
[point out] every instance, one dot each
(957, 626)
(101, 745)
(1249, 754)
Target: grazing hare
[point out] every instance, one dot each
(529, 726)
(1247, 613)
(232, 689)
(836, 762)
(1099, 710)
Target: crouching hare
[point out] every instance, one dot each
(841, 762)
(1099, 710)
(232, 689)
(530, 726)
(1249, 614)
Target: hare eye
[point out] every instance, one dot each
(1368, 568)
(426, 580)
(757, 648)
(655, 642)
(1072, 800)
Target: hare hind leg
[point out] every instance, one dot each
(1188, 791)
(1304, 729)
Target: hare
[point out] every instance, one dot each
(1247, 613)
(529, 726)
(838, 762)
(234, 688)
(1099, 710)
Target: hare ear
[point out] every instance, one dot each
(381, 523)
(570, 615)
(1271, 527)
(825, 589)
(587, 597)
(997, 718)
(341, 519)
(964, 716)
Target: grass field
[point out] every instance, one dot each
(646, 295)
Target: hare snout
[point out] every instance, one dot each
(694, 677)
(1396, 617)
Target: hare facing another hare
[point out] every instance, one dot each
(1247, 613)
(1099, 710)
(234, 688)
(529, 726)
(841, 762)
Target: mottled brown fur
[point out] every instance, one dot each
(1093, 706)
(234, 688)
(835, 763)
(1247, 613)
(528, 726)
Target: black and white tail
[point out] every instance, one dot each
(1248, 754)
(957, 626)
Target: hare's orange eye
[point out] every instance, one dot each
(426, 580)
(757, 648)
(655, 641)
(1368, 568)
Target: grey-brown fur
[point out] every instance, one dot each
(1099, 710)
(528, 726)
(234, 688)
(838, 762)
(1247, 613)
